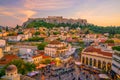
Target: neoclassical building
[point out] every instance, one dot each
(57, 49)
(96, 57)
(11, 73)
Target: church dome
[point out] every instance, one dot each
(11, 68)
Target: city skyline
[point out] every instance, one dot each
(103, 12)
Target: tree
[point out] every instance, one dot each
(81, 43)
(0, 30)
(46, 61)
(20, 32)
(42, 45)
(55, 33)
(116, 48)
(17, 27)
(6, 28)
(37, 33)
(88, 28)
(109, 41)
(36, 39)
(40, 23)
(22, 66)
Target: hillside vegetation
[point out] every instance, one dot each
(93, 28)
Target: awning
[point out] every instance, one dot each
(41, 66)
(103, 76)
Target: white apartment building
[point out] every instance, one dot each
(2, 43)
(116, 63)
(57, 49)
(14, 38)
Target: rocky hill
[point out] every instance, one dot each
(56, 20)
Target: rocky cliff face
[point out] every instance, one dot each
(56, 20)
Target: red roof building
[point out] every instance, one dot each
(7, 58)
(98, 51)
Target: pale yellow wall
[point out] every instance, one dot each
(1, 53)
(37, 59)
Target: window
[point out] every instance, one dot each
(118, 54)
(117, 60)
(115, 66)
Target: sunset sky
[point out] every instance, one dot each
(99, 12)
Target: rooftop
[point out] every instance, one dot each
(111, 44)
(98, 50)
(41, 54)
(7, 58)
(55, 42)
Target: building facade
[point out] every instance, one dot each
(95, 57)
(57, 49)
(2, 43)
(38, 58)
(11, 73)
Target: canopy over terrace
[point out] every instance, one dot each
(78, 63)
(41, 66)
(32, 73)
(103, 76)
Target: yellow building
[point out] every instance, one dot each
(37, 58)
(96, 57)
(116, 40)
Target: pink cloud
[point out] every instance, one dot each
(27, 13)
(48, 4)
(102, 20)
(24, 14)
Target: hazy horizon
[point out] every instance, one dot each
(98, 12)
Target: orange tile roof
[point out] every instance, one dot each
(111, 44)
(45, 57)
(55, 42)
(37, 56)
(41, 54)
(7, 58)
(92, 49)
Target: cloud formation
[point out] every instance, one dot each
(24, 9)
(100, 12)
(20, 14)
(48, 4)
